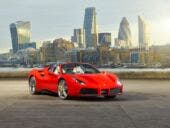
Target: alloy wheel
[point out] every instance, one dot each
(62, 90)
(32, 85)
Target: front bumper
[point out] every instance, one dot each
(100, 92)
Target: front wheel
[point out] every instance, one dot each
(63, 90)
(32, 85)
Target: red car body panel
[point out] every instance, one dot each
(46, 80)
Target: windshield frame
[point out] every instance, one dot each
(82, 65)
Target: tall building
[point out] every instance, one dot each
(124, 34)
(143, 33)
(79, 38)
(20, 34)
(90, 27)
(105, 39)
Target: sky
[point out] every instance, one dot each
(57, 18)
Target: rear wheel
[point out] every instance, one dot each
(32, 85)
(111, 97)
(63, 90)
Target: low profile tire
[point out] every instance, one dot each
(32, 86)
(110, 97)
(63, 90)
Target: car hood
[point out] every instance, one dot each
(102, 80)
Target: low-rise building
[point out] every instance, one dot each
(161, 54)
(55, 52)
(86, 55)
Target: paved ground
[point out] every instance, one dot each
(145, 104)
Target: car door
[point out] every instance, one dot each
(51, 79)
(40, 78)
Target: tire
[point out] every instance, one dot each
(32, 86)
(63, 90)
(110, 97)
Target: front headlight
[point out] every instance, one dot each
(79, 81)
(118, 82)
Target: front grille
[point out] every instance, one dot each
(115, 91)
(86, 91)
(104, 92)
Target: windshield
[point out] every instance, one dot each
(79, 69)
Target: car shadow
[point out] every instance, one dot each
(127, 96)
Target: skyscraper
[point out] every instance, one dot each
(90, 27)
(143, 33)
(79, 38)
(20, 34)
(124, 34)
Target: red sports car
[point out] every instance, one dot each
(74, 80)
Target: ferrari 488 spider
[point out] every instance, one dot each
(74, 80)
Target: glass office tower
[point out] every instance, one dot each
(144, 33)
(79, 37)
(90, 26)
(125, 33)
(105, 39)
(20, 34)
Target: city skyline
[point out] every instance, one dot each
(51, 19)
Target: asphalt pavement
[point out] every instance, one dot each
(144, 104)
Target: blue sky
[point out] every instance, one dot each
(57, 18)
